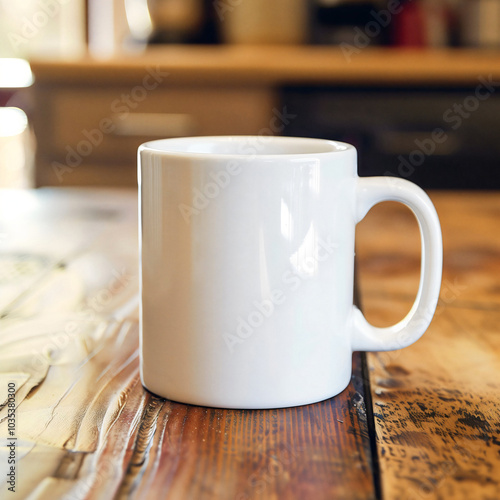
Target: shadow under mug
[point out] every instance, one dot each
(247, 264)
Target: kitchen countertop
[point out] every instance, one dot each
(280, 65)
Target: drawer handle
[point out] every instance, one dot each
(155, 124)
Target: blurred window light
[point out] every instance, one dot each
(13, 121)
(15, 73)
(138, 18)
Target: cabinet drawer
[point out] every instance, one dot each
(86, 174)
(107, 125)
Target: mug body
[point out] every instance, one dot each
(247, 255)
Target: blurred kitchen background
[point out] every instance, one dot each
(413, 84)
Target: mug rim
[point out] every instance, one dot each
(311, 146)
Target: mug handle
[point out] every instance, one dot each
(373, 190)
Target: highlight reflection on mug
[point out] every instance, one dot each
(292, 280)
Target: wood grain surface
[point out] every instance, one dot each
(428, 428)
(436, 404)
(86, 428)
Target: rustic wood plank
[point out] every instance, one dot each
(436, 404)
(61, 331)
(316, 451)
(437, 408)
(87, 428)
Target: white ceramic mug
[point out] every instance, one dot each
(247, 257)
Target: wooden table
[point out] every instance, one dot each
(419, 423)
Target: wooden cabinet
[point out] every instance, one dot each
(91, 115)
(88, 132)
